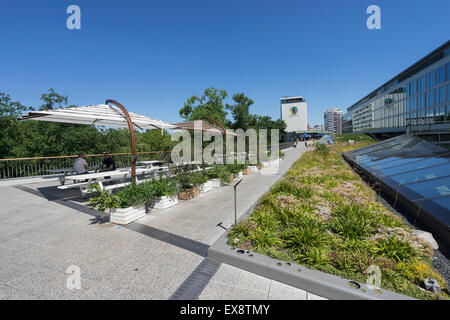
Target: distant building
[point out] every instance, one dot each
(294, 112)
(318, 127)
(416, 100)
(333, 120)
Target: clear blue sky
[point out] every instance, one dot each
(153, 55)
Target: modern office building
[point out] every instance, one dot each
(416, 100)
(294, 112)
(333, 120)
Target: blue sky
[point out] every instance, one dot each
(152, 55)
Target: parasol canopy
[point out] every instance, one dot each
(99, 115)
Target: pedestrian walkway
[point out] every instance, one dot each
(161, 256)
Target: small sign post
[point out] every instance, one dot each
(235, 204)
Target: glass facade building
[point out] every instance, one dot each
(417, 99)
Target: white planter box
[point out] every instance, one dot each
(126, 215)
(205, 187)
(164, 202)
(215, 183)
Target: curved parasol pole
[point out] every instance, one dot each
(132, 138)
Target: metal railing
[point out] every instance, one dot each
(38, 166)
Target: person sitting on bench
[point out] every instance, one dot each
(108, 163)
(80, 166)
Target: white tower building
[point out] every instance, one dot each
(294, 113)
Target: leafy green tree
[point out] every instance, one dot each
(10, 128)
(9, 108)
(53, 100)
(154, 140)
(240, 111)
(209, 105)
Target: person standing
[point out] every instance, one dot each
(80, 166)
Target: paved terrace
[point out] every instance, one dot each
(162, 256)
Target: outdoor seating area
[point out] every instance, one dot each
(157, 185)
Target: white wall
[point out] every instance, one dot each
(295, 122)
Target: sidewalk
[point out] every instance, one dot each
(161, 256)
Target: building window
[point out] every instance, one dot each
(448, 92)
(421, 101)
(420, 84)
(448, 69)
(430, 98)
(440, 74)
(430, 79)
(441, 98)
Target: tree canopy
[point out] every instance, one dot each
(211, 105)
(39, 138)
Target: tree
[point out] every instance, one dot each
(210, 105)
(154, 140)
(240, 111)
(9, 108)
(10, 127)
(52, 99)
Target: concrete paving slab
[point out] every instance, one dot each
(281, 291)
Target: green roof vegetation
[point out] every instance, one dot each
(323, 216)
(357, 137)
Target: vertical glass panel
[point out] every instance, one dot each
(448, 92)
(448, 70)
(442, 74)
(441, 95)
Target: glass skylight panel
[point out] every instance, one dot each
(418, 163)
(423, 174)
(397, 163)
(431, 188)
(417, 169)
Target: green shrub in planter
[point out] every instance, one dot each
(129, 196)
(235, 168)
(200, 178)
(104, 201)
(164, 187)
(135, 194)
(218, 172)
(186, 179)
